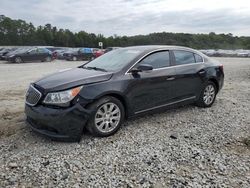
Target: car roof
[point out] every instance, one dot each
(149, 48)
(157, 47)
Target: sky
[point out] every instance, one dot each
(134, 17)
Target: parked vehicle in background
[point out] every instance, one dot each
(30, 54)
(79, 54)
(58, 54)
(226, 53)
(52, 49)
(98, 52)
(10, 53)
(111, 48)
(243, 53)
(5, 51)
(120, 84)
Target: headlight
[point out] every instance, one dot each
(62, 98)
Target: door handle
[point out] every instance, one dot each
(170, 78)
(202, 72)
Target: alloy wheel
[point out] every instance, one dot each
(18, 60)
(209, 94)
(107, 117)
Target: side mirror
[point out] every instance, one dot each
(141, 68)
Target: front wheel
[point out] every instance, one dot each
(208, 95)
(107, 117)
(18, 60)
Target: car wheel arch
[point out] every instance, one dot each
(118, 96)
(214, 80)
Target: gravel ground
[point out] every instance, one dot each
(183, 147)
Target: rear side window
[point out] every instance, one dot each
(198, 58)
(157, 60)
(183, 57)
(41, 50)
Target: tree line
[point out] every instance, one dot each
(19, 32)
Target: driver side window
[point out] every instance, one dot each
(157, 60)
(33, 51)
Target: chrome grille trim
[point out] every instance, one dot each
(37, 96)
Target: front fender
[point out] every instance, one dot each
(95, 91)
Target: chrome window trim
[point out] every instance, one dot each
(163, 105)
(163, 49)
(40, 95)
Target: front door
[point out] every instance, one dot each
(151, 89)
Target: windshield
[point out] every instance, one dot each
(114, 60)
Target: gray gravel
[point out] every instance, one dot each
(183, 147)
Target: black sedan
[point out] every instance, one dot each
(30, 54)
(121, 84)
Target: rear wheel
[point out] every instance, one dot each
(18, 60)
(208, 95)
(107, 117)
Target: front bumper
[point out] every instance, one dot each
(58, 124)
(10, 59)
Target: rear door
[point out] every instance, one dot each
(151, 89)
(42, 53)
(189, 74)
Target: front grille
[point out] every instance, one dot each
(33, 96)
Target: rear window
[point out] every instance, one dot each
(198, 58)
(183, 57)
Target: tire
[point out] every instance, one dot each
(18, 60)
(105, 123)
(208, 95)
(74, 58)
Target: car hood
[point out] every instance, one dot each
(16, 53)
(69, 78)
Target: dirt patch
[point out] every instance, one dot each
(12, 95)
(11, 122)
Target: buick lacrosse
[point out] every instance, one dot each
(121, 84)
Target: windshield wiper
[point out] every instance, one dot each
(96, 68)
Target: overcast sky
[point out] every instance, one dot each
(132, 17)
